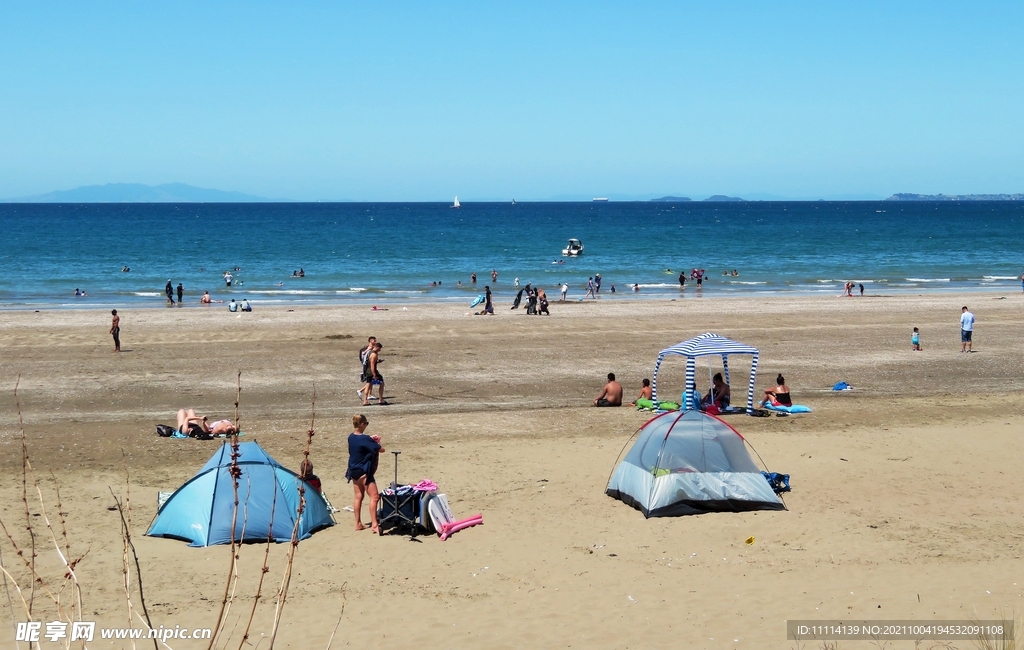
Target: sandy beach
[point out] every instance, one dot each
(905, 503)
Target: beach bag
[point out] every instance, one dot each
(164, 431)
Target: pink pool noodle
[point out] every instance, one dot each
(447, 530)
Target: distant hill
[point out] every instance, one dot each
(138, 193)
(673, 199)
(956, 197)
(722, 197)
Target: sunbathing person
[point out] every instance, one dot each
(188, 419)
(645, 391)
(778, 395)
(611, 394)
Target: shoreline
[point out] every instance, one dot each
(391, 302)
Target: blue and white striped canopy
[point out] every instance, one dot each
(700, 346)
(708, 343)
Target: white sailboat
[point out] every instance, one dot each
(456, 204)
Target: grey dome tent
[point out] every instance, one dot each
(704, 345)
(689, 462)
(202, 511)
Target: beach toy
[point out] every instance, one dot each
(479, 299)
(447, 530)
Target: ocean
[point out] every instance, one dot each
(390, 253)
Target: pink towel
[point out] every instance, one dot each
(426, 485)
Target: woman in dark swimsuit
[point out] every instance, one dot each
(778, 394)
(363, 452)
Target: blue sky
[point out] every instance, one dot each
(422, 101)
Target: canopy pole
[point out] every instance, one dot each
(654, 381)
(725, 367)
(691, 383)
(753, 375)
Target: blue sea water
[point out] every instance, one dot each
(389, 253)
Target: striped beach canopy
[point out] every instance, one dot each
(704, 345)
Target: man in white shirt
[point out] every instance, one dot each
(966, 330)
(565, 290)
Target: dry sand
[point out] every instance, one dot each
(906, 499)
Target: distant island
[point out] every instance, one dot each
(722, 197)
(956, 197)
(673, 199)
(138, 193)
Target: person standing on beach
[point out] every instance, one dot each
(565, 290)
(590, 289)
(169, 292)
(861, 289)
(966, 330)
(180, 292)
(115, 330)
(363, 454)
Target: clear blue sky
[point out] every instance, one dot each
(420, 101)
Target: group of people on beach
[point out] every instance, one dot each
(850, 286)
(717, 398)
(536, 300)
(169, 292)
(369, 376)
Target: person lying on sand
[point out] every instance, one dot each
(611, 394)
(186, 418)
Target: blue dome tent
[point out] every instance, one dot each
(202, 511)
(704, 345)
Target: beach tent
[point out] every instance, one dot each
(688, 462)
(704, 345)
(202, 511)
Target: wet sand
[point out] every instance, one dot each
(905, 501)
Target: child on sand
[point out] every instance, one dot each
(915, 340)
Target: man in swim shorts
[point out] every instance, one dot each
(611, 394)
(966, 330)
(115, 330)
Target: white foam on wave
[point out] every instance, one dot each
(999, 277)
(351, 290)
(741, 282)
(146, 293)
(404, 291)
(927, 279)
(290, 292)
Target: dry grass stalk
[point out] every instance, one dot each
(25, 467)
(340, 614)
(263, 573)
(282, 593)
(235, 472)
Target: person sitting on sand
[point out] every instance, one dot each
(363, 454)
(719, 394)
(777, 395)
(645, 391)
(307, 475)
(188, 418)
(611, 394)
(206, 300)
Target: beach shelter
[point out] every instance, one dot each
(689, 462)
(202, 511)
(704, 345)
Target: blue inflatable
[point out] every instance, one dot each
(479, 299)
(796, 408)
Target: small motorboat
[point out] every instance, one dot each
(573, 249)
